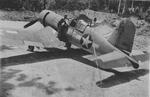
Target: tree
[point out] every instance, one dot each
(119, 6)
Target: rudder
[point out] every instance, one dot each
(123, 38)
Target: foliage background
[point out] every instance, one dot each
(38, 5)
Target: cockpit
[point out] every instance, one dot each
(79, 25)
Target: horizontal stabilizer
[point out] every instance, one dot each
(112, 60)
(117, 59)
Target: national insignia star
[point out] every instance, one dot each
(86, 41)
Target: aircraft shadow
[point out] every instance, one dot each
(76, 54)
(52, 53)
(122, 77)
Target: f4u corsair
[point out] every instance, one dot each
(110, 51)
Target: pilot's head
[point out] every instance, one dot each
(95, 19)
(65, 16)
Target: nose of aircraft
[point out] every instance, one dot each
(47, 17)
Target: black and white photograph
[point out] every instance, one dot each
(74, 48)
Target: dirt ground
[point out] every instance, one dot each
(60, 73)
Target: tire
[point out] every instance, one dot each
(68, 45)
(30, 48)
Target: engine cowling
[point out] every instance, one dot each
(50, 18)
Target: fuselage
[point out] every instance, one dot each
(86, 38)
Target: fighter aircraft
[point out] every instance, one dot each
(109, 50)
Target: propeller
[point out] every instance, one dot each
(31, 23)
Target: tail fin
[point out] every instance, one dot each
(123, 37)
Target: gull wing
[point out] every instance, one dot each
(45, 37)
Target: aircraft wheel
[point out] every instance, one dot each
(30, 48)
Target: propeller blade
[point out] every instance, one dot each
(31, 23)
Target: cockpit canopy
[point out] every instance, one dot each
(81, 22)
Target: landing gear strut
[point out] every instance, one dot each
(30, 48)
(68, 45)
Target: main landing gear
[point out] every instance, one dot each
(68, 45)
(30, 48)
